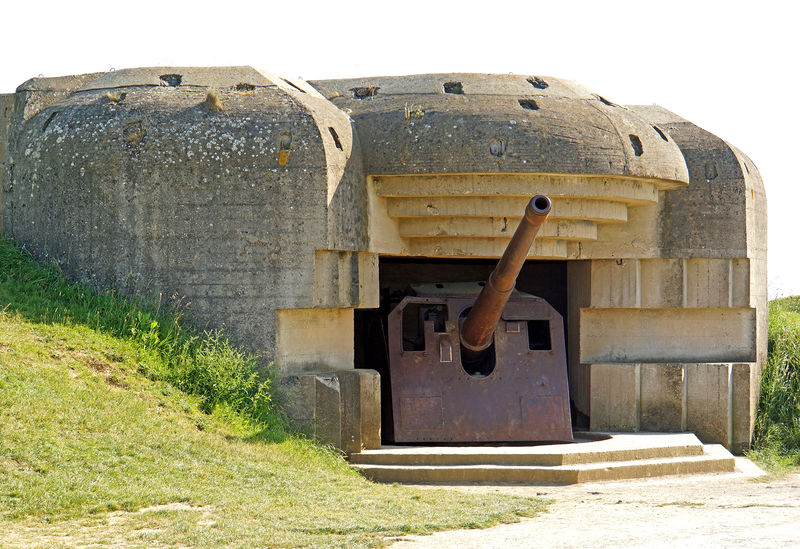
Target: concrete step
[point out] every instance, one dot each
(600, 448)
(635, 456)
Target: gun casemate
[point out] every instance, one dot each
(472, 362)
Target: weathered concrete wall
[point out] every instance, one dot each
(644, 319)
(712, 400)
(6, 112)
(131, 181)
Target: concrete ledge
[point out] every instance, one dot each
(667, 335)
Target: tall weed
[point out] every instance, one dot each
(777, 430)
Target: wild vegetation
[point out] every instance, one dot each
(121, 426)
(777, 435)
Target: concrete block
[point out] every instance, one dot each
(615, 397)
(361, 409)
(614, 283)
(314, 339)
(708, 282)
(328, 410)
(341, 408)
(661, 397)
(345, 279)
(667, 335)
(661, 282)
(740, 282)
(298, 397)
(707, 402)
(742, 420)
(368, 281)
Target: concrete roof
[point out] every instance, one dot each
(484, 123)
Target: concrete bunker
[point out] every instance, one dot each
(291, 213)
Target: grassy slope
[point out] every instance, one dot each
(98, 446)
(777, 440)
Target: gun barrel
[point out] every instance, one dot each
(478, 328)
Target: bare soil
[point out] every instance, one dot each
(739, 510)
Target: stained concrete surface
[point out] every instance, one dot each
(730, 510)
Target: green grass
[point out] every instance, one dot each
(120, 426)
(203, 364)
(777, 431)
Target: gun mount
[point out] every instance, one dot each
(475, 362)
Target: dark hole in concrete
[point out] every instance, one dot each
(529, 104)
(453, 87)
(133, 133)
(413, 112)
(711, 170)
(243, 87)
(539, 335)
(292, 85)
(115, 97)
(335, 138)
(49, 119)
(173, 80)
(497, 147)
(538, 83)
(636, 143)
(605, 101)
(659, 132)
(363, 93)
(286, 140)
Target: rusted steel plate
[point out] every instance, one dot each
(434, 399)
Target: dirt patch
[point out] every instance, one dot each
(11, 465)
(116, 529)
(177, 506)
(103, 369)
(97, 366)
(726, 510)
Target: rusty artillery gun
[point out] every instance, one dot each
(480, 362)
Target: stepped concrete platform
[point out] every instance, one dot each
(597, 457)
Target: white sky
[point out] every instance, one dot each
(730, 67)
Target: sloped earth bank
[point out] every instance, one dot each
(728, 510)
